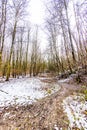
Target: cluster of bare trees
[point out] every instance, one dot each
(20, 51)
(67, 29)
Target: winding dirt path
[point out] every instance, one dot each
(45, 114)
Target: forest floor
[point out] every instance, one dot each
(62, 108)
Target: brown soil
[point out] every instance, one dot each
(41, 115)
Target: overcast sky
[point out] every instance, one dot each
(37, 12)
(37, 16)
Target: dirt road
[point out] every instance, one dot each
(45, 114)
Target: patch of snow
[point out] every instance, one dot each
(75, 106)
(56, 128)
(6, 115)
(64, 80)
(21, 91)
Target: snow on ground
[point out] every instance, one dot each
(65, 80)
(21, 91)
(75, 107)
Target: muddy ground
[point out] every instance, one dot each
(45, 114)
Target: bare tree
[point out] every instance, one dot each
(35, 54)
(27, 50)
(3, 20)
(17, 9)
